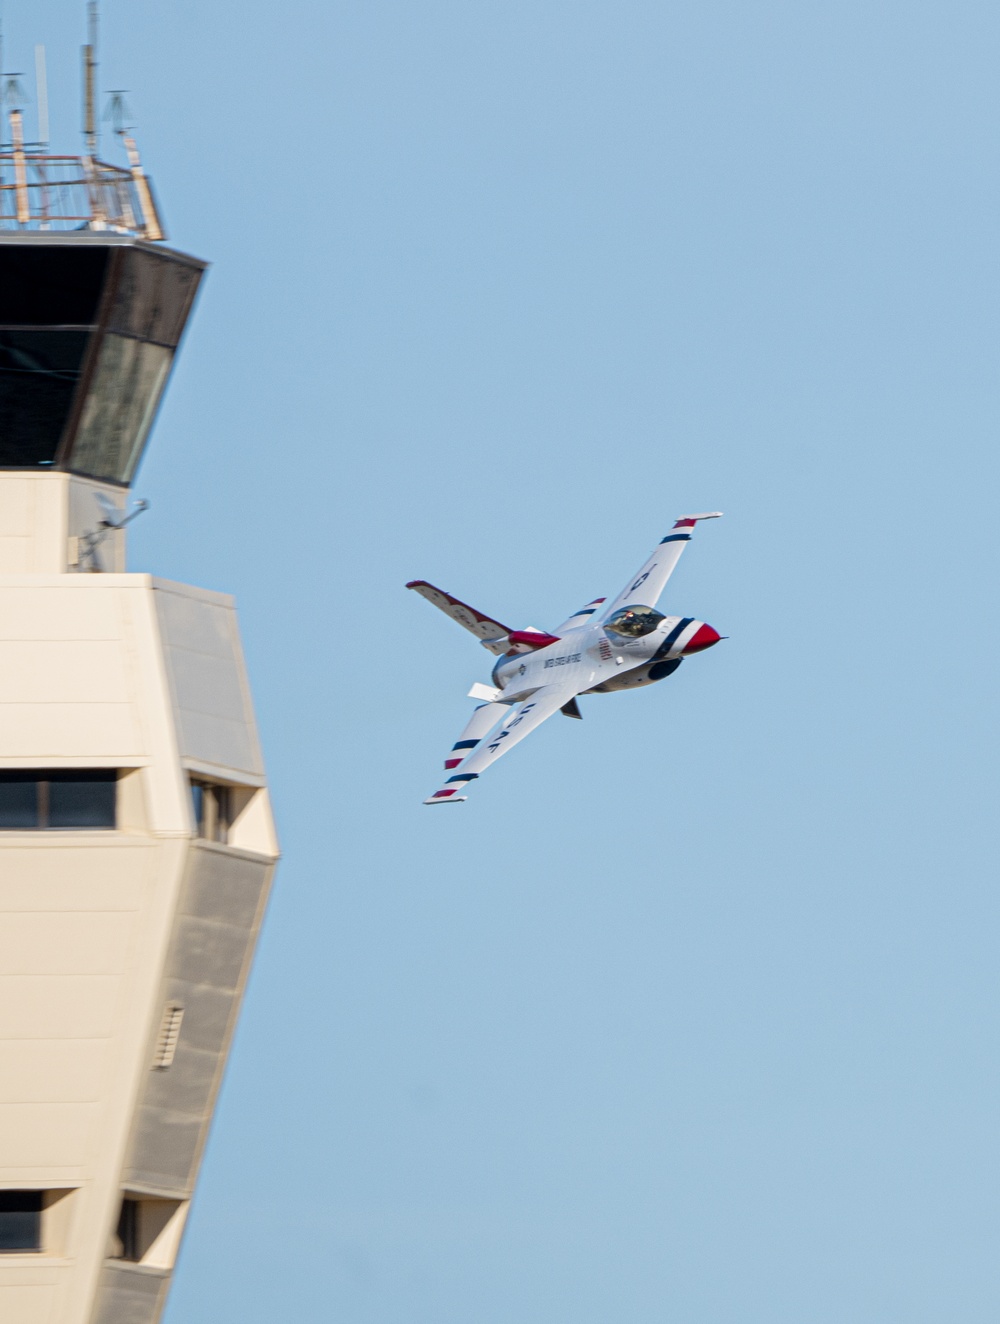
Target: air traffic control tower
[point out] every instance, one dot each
(136, 840)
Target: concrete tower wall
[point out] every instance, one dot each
(124, 951)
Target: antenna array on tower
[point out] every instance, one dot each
(43, 191)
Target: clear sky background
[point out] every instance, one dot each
(690, 1014)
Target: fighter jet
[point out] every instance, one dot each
(600, 649)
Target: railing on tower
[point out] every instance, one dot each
(40, 191)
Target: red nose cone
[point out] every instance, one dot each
(704, 637)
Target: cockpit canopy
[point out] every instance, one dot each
(634, 622)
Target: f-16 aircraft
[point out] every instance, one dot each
(599, 649)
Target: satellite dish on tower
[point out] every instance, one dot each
(114, 520)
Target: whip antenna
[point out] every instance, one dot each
(42, 96)
(89, 74)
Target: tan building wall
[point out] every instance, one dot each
(112, 941)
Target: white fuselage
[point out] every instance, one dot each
(592, 659)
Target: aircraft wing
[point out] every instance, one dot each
(490, 633)
(521, 722)
(647, 585)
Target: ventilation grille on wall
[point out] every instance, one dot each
(166, 1040)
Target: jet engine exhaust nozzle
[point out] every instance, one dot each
(704, 637)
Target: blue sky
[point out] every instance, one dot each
(690, 1013)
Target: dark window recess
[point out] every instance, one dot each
(18, 801)
(32, 800)
(128, 1231)
(39, 371)
(212, 805)
(51, 285)
(20, 1221)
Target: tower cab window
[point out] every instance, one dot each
(42, 800)
(634, 622)
(212, 805)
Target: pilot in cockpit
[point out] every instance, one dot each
(634, 622)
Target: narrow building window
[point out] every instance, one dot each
(211, 806)
(198, 805)
(82, 799)
(18, 801)
(128, 1231)
(35, 800)
(223, 795)
(20, 1221)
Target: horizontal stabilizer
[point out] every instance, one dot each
(483, 719)
(484, 693)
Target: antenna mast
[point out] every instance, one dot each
(89, 72)
(42, 96)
